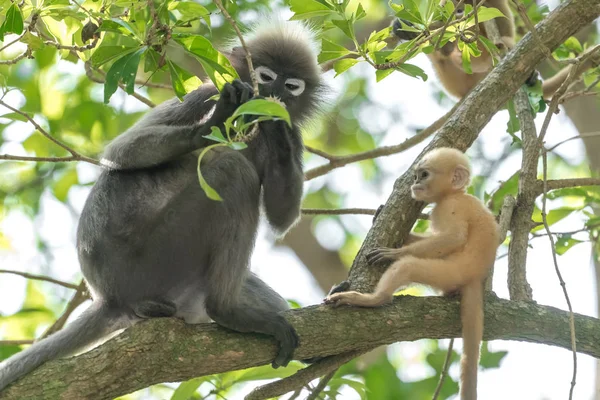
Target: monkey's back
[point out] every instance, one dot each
(125, 235)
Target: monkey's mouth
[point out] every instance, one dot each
(417, 191)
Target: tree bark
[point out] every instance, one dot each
(167, 350)
(401, 211)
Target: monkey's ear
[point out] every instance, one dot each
(461, 177)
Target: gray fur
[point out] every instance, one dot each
(151, 244)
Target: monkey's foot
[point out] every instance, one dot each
(288, 341)
(356, 299)
(343, 286)
(382, 254)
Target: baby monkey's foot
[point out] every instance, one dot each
(357, 299)
(382, 254)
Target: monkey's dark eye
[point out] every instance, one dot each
(292, 86)
(424, 175)
(266, 78)
(459, 12)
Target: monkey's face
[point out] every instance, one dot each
(420, 189)
(271, 83)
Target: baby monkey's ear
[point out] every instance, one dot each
(461, 177)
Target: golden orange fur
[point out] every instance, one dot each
(457, 256)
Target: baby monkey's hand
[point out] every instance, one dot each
(382, 254)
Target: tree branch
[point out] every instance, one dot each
(462, 128)
(340, 161)
(39, 278)
(167, 350)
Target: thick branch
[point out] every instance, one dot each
(167, 350)
(462, 128)
(518, 287)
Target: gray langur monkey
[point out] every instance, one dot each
(151, 244)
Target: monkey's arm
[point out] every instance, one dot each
(174, 129)
(283, 177)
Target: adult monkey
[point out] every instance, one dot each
(151, 244)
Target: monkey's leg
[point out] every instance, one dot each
(257, 310)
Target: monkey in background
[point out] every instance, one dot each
(151, 243)
(447, 60)
(456, 257)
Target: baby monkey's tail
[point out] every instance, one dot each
(472, 332)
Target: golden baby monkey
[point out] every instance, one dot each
(456, 257)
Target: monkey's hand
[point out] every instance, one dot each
(383, 254)
(232, 96)
(400, 33)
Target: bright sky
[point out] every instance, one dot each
(528, 372)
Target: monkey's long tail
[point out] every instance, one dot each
(472, 332)
(94, 323)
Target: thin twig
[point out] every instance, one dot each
(303, 376)
(318, 152)
(40, 159)
(72, 48)
(529, 24)
(340, 161)
(15, 342)
(90, 74)
(580, 136)
(80, 296)
(444, 370)
(558, 274)
(231, 21)
(41, 130)
(39, 278)
(321, 386)
(555, 184)
(14, 41)
(26, 53)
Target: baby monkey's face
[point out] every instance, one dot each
(420, 190)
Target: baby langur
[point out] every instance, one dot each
(447, 60)
(456, 257)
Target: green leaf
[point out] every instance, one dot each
(491, 359)
(552, 217)
(13, 22)
(216, 135)
(513, 125)
(118, 26)
(263, 107)
(485, 14)
(345, 26)
(412, 70)
(186, 389)
(466, 60)
(125, 69)
(217, 66)
(191, 11)
(104, 54)
(344, 65)
(331, 51)
(564, 244)
(305, 9)
(408, 10)
(380, 74)
(509, 187)
(208, 190)
(238, 145)
(182, 81)
(34, 42)
(61, 187)
(573, 45)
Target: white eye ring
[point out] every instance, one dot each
(295, 86)
(265, 75)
